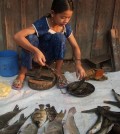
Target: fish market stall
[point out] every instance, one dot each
(29, 100)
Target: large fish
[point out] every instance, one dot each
(29, 129)
(114, 117)
(13, 129)
(70, 125)
(55, 126)
(9, 115)
(39, 117)
(97, 125)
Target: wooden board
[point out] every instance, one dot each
(115, 46)
(84, 25)
(102, 24)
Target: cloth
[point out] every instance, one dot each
(51, 43)
(32, 98)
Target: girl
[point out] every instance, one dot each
(45, 40)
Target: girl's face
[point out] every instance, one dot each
(63, 18)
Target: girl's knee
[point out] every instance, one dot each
(33, 39)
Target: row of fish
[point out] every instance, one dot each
(45, 117)
(106, 119)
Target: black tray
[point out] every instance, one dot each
(80, 90)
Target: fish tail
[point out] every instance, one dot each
(72, 110)
(16, 108)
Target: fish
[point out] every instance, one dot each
(55, 126)
(113, 116)
(116, 95)
(113, 103)
(9, 115)
(51, 112)
(94, 110)
(70, 125)
(115, 130)
(30, 128)
(14, 128)
(39, 117)
(104, 130)
(96, 126)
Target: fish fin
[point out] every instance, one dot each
(41, 106)
(60, 115)
(22, 117)
(48, 105)
(16, 108)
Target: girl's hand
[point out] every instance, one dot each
(80, 72)
(39, 58)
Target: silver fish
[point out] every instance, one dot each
(96, 126)
(13, 129)
(70, 125)
(29, 129)
(55, 126)
(39, 117)
(9, 115)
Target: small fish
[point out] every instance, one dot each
(9, 115)
(70, 125)
(117, 96)
(39, 117)
(51, 112)
(55, 126)
(29, 129)
(13, 129)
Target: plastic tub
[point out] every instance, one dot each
(8, 63)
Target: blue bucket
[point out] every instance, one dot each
(8, 63)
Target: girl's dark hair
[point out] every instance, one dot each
(59, 6)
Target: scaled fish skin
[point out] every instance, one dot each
(39, 117)
(29, 129)
(97, 125)
(51, 112)
(55, 126)
(13, 129)
(9, 115)
(70, 125)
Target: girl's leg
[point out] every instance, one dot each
(18, 82)
(58, 67)
(61, 80)
(26, 62)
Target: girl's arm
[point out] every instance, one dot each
(20, 39)
(77, 53)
